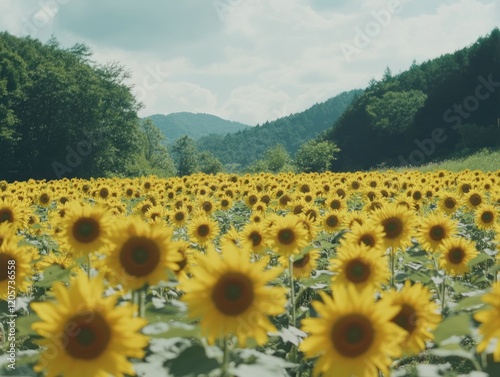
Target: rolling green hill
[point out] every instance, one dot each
(175, 125)
(444, 107)
(249, 145)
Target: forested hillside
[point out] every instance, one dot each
(62, 115)
(443, 107)
(249, 145)
(175, 125)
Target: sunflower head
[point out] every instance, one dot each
(353, 336)
(91, 334)
(231, 296)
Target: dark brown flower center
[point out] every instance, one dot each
(203, 230)
(357, 271)
(367, 239)
(44, 198)
(450, 203)
(335, 204)
(6, 215)
(302, 262)
(406, 318)
(456, 255)
(286, 236)
(86, 230)
(233, 294)
(139, 256)
(87, 336)
(393, 227)
(475, 200)
(332, 221)
(487, 217)
(256, 238)
(352, 335)
(437, 233)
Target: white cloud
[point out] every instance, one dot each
(264, 58)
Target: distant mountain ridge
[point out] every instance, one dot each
(176, 125)
(248, 145)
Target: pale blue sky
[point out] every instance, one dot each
(253, 60)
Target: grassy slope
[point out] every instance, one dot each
(485, 160)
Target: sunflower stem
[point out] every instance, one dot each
(293, 351)
(292, 291)
(443, 298)
(225, 357)
(392, 263)
(88, 265)
(142, 302)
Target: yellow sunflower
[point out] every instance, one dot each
(449, 203)
(202, 229)
(86, 335)
(434, 230)
(332, 221)
(486, 216)
(14, 212)
(8, 232)
(353, 336)
(368, 234)
(15, 268)
(418, 315)
(178, 216)
(455, 254)
(288, 235)
(304, 265)
(490, 321)
(62, 260)
(253, 237)
(232, 236)
(356, 265)
(141, 253)
(398, 223)
(84, 229)
(231, 296)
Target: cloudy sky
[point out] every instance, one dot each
(253, 60)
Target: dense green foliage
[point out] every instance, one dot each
(315, 156)
(440, 108)
(61, 115)
(249, 145)
(275, 160)
(176, 125)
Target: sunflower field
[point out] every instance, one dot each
(361, 274)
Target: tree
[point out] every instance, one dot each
(315, 156)
(208, 163)
(185, 156)
(277, 158)
(155, 152)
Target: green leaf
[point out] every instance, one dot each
(458, 325)
(469, 303)
(482, 257)
(53, 274)
(24, 323)
(444, 353)
(192, 362)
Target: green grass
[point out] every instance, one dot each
(484, 160)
